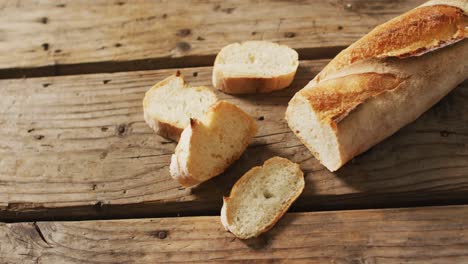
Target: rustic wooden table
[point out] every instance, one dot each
(84, 179)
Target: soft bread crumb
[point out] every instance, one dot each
(260, 197)
(319, 137)
(169, 105)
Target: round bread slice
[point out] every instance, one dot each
(208, 147)
(169, 105)
(260, 197)
(254, 67)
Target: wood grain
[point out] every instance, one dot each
(418, 235)
(40, 38)
(77, 146)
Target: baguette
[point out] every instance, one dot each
(207, 147)
(254, 67)
(169, 105)
(382, 82)
(260, 197)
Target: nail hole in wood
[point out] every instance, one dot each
(183, 32)
(99, 205)
(444, 133)
(228, 10)
(103, 155)
(162, 234)
(183, 46)
(121, 129)
(289, 35)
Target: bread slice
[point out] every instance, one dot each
(254, 67)
(260, 197)
(208, 146)
(169, 105)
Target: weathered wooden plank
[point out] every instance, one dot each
(416, 235)
(77, 146)
(39, 38)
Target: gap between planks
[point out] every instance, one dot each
(101, 211)
(145, 64)
(45, 38)
(410, 235)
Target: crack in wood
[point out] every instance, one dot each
(41, 235)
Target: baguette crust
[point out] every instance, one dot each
(415, 33)
(387, 79)
(163, 129)
(179, 168)
(251, 84)
(226, 213)
(334, 99)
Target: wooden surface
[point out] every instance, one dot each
(69, 37)
(418, 235)
(78, 145)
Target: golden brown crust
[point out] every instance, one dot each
(246, 85)
(168, 131)
(187, 181)
(161, 128)
(334, 99)
(414, 33)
